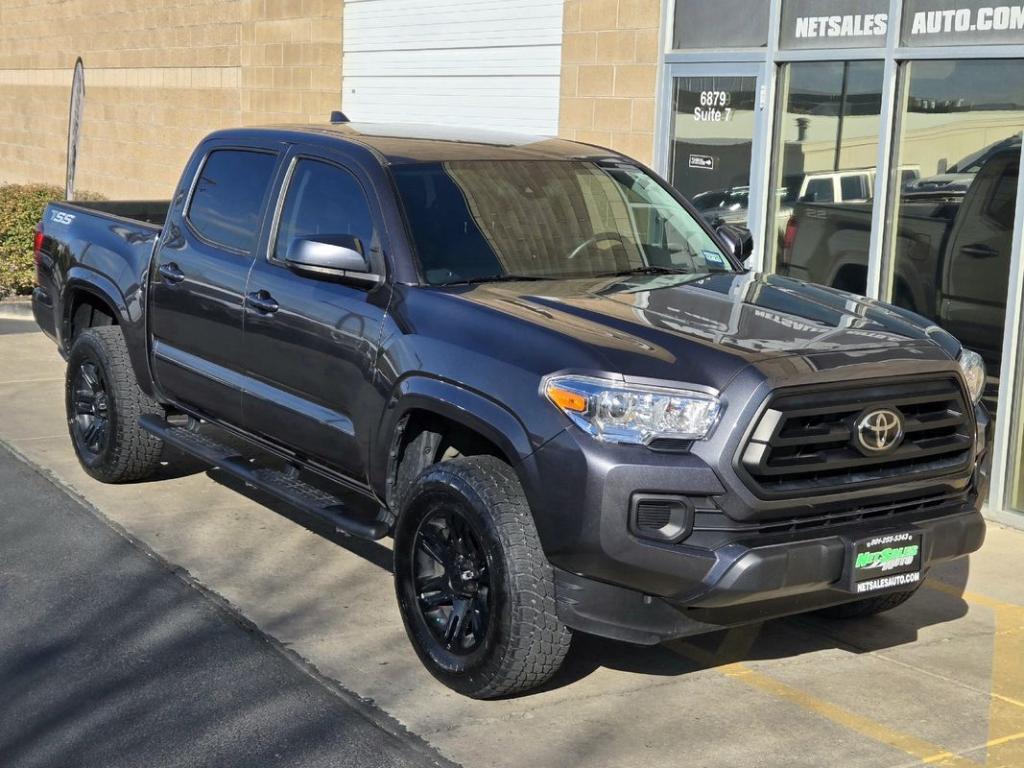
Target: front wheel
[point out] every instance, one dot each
(474, 587)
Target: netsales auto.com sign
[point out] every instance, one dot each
(846, 24)
(989, 18)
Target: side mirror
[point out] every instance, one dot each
(738, 240)
(339, 256)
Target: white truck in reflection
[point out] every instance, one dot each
(951, 253)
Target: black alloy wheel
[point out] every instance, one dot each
(103, 403)
(451, 577)
(476, 593)
(90, 409)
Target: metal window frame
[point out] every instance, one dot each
(893, 55)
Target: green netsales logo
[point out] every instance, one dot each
(888, 558)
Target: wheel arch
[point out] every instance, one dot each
(107, 305)
(463, 418)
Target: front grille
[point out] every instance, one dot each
(803, 443)
(889, 511)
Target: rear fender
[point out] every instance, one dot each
(129, 312)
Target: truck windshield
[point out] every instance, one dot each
(485, 220)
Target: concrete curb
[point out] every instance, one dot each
(19, 308)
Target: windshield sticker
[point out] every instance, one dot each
(713, 256)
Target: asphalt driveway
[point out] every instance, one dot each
(110, 658)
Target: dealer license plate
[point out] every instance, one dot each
(888, 561)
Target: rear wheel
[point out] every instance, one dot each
(475, 590)
(870, 606)
(104, 403)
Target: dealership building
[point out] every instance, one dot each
(872, 145)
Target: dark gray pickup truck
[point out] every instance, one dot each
(536, 367)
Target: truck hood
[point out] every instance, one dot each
(653, 325)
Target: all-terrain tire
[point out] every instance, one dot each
(524, 643)
(125, 452)
(860, 609)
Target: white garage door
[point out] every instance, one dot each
(482, 63)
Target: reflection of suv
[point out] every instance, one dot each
(958, 177)
(536, 368)
(837, 186)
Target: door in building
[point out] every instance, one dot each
(715, 125)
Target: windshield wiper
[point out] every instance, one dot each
(652, 270)
(495, 279)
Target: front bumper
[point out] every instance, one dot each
(727, 571)
(750, 583)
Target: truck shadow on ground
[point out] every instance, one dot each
(371, 551)
(937, 602)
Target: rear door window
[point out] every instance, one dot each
(228, 198)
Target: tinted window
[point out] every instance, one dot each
(323, 199)
(853, 188)
(819, 191)
(1003, 203)
(228, 196)
(484, 220)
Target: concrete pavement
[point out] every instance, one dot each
(940, 680)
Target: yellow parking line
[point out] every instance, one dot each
(922, 750)
(1006, 711)
(971, 597)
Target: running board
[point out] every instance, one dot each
(280, 485)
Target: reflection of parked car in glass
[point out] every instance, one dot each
(725, 206)
(958, 177)
(953, 251)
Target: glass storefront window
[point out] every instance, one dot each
(1016, 455)
(955, 196)
(699, 24)
(712, 142)
(827, 126)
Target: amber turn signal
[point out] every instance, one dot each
(566, 400)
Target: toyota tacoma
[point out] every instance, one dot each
(533, 365)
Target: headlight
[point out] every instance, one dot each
(633, 413)
(974, 372)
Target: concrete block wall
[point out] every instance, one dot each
(159, 75)
(162, 73)
(610, 52)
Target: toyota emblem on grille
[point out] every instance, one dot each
(879, 431)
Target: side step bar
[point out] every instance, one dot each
(280, 485)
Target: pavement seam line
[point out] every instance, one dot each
(364, 707)
(31, 381)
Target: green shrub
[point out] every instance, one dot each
(21, 208)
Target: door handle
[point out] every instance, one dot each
(980, 251)
(263, 302)
(171, 273)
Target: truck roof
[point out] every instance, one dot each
(410, 143)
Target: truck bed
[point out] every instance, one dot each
(151, 212)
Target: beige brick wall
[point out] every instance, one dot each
(610, 53)
(159, 75)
